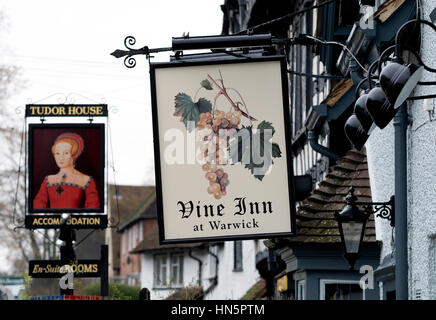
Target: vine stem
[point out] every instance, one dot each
(243, 102)
(224, 93)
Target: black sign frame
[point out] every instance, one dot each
(157, 152)
(32, 214)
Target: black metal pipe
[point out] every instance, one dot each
(104, 273)
(401, 260)
(217, 42)
(313, 140)
(216, 267)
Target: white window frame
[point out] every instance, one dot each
(168, 263)
(157, 281)
(141, 231)
(323, 283)
(123, 242)
(179, 263)
(130, 239)
(135, 235)
(300, 289)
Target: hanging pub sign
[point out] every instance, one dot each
(222, 149)
(66, 175)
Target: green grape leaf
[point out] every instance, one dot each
(204, 105)
(264, 125)
(206, 84)
(276, 152)
(242, 150)
(187, 110)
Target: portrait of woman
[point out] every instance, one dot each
(68, 188)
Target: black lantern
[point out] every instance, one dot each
(351, 222)
(355, 132)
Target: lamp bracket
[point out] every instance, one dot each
(384, 210)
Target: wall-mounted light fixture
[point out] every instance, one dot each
(355, 132)
(352, 222)
(359, 125)
(379, 108)
(360, 108)
(396, 82)
(398, 79)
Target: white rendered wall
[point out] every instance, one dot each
(231, 284)
(422, 177)
(421, 171)
(234, 284)
(381, 168)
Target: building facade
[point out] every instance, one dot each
(125, 201)
(420, 181)
(323, 79)
(199, 270)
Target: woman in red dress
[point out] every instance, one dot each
(69, 188)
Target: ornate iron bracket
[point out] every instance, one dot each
(384, 210)
(129, 61)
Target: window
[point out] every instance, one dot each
(301, 290)
(301, 89)
(237, 256)
(133, 235)
(176, 277)
(341, 290)
(168, 270)
(141, 231)
(123, 242)
(130, 234)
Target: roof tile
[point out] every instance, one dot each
(315, 215)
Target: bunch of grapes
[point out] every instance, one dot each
(221, 120)
(216, 131)
(218, 180)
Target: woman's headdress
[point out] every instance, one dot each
(76, 139)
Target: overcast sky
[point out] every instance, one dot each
(63, 49)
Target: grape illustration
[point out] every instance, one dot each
(217, 129)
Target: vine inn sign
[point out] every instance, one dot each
(236, 160)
